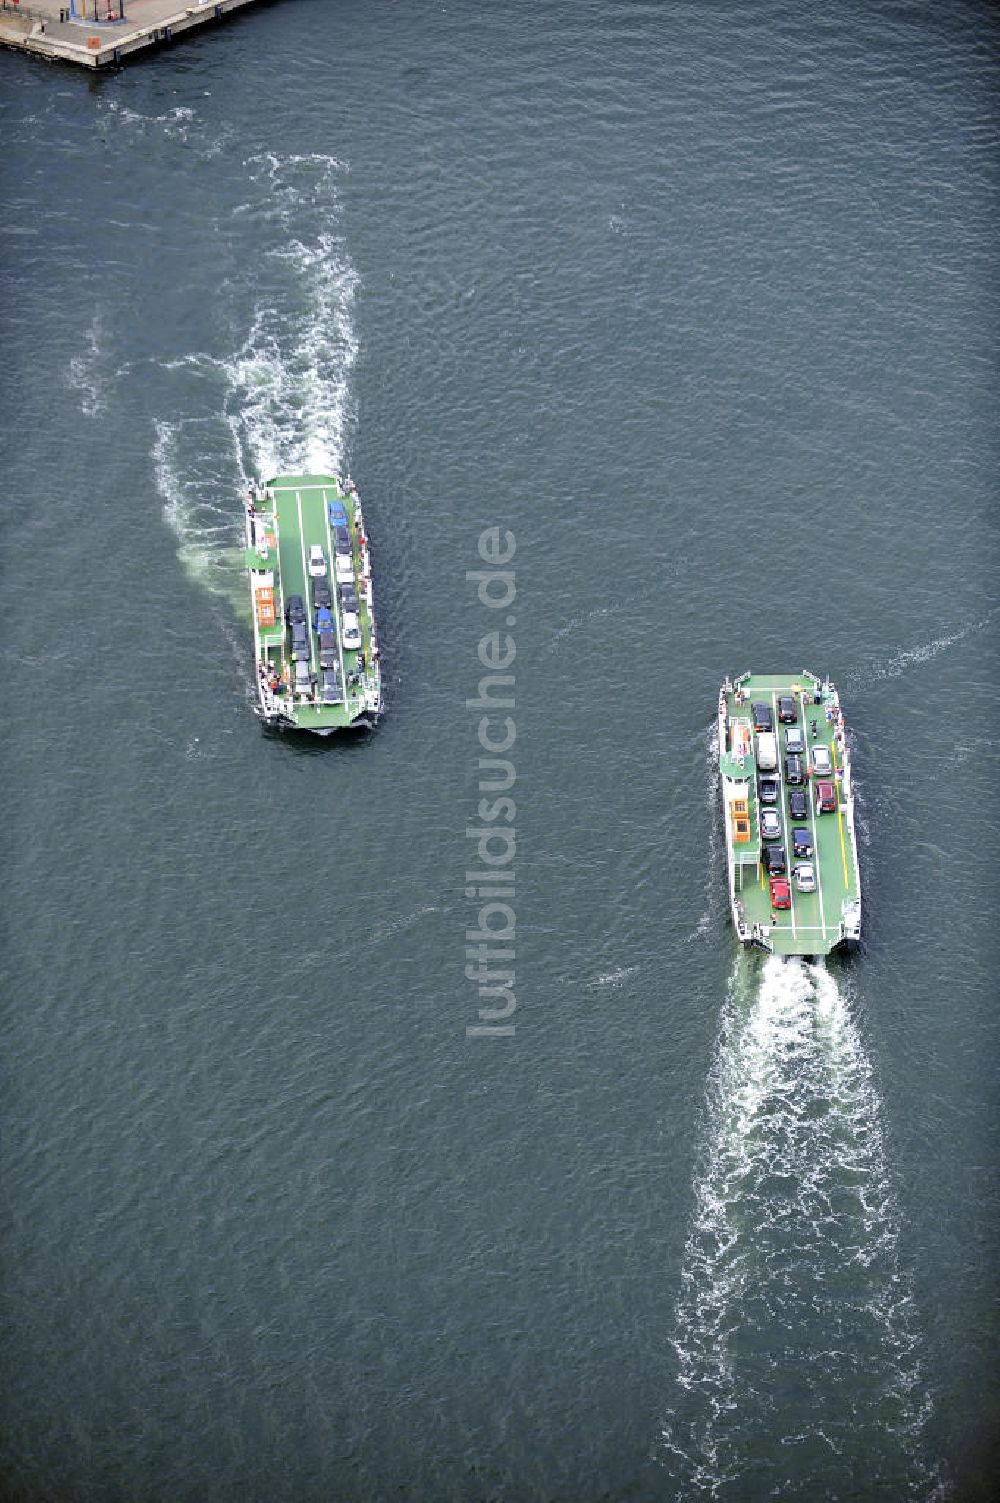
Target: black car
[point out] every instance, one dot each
(798, 805)
(802, 843)
(767, 790)
(327, 649)
(787, 711)
(300, 642)
(762, 717)
(795, 770)
(341, 540)
(295, 609)
(321, 592)
(774, 860)
(349, 598)
(330, 687)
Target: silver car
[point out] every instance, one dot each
(770, 824)
(804, 876)
(822, 762)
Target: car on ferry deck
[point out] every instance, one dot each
(767, 790)
(327, 649)
(805, 876)
(351, 634)
(295, 609)
(781, 896)
(762, 717)
(770, 824)
(330, 687)
(802, 844)
(795, 771)
(798, 804)
(300, 641)
(787, 710)
(822, 762)
(317, 559)
(795, 741)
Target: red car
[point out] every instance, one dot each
(781, 893)
(826, 798)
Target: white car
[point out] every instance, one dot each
(303, 679)
(822, 762)
(804, 876)
(345, 568)
(317, 561)
(350, 634)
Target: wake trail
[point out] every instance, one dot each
(796, 1345)
(279, 398)
(901, 661)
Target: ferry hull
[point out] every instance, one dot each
(788, 815)
(308, 562)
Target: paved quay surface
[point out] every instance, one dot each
(44, 27)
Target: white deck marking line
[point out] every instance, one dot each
(811, 804)
(781, 805)
(812, 929)
(313, 661)
(299, 488)
(281, 599)
(277, 560)
(335, 593)
(354, 580)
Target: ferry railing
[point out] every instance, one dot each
(94, 10)
(74, 10)
(28, 11)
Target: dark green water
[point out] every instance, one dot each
(701, 304)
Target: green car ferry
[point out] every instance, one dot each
(308, 561)
(788, 813)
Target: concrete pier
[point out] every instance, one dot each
(101, 33)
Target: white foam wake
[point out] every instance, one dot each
(199, 506)
(173, 123)
(288, 400)
(796, 1346)
(904, 659)
(714, 883)
(88, 373)
(280, 400)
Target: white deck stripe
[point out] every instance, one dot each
(781, 804)
(298, 488)
(335, 593)
(313, 660)
(811, 804)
